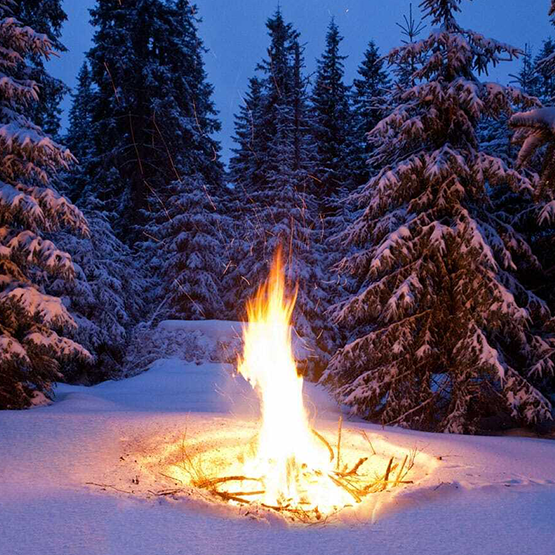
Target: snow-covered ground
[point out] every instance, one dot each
(479, 495)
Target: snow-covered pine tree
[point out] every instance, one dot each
(278, 206)
(494, 133)
(189, 241)
(545, 61)
(411, 29)
(106, 299)
(33, 324)
(47, 17)
(78, 137)
(495, 139)
(535, 132)
(443, 331)
(368, 107)
(245, 164)
(544, 82)
(332, 119)
(152, 115)
(177, 118)
(186, 235)
(526, 77)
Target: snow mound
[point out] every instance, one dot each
(218, 330)
(196, 341)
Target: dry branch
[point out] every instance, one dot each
(339, 442)
(388, 471)
(365, 436)
(108, 486)
(171, 477)
(210, 483)
(353, 470)
(325, 442)
(229, 497)
(348, 489)
(400, 473)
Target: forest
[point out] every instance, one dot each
(415, 208)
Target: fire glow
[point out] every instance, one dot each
(287, 467)
(295, 468)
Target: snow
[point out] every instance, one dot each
(215, 329)
(50, 309)
(212, 332)
(471, 494)
(541, 117)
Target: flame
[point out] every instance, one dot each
(293, 466)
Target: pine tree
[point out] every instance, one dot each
(526, 77)
(444, 331)
(78, 137)
(368, 103)
(33, 324)
(47, 17)
(106, 299)
(534, 132)
(411, 29)
(330, 100)
(245, 164)
(544, 82)
(152, 115)
(277, 206)
(545, 62)
(304, 147)
(494, 134)
(188, 242)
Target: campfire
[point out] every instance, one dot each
(287, 466)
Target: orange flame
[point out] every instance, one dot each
(288, 458)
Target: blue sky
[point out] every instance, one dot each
(235, 33)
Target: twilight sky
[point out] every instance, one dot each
(235, 33)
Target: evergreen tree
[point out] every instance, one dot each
(188, 242)
(152, 113)
(526, 77)
(534, 132)
(368, 103)
(330, 100)
(544, 82)
(78, 137)
(277, 206)
(545, 62)
(245, 165)
(33, 324)
(304, 147)
(494, 134)
(444, 330)
(411, 29)
(106, 299)
(46, 17)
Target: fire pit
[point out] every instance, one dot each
(286, 466)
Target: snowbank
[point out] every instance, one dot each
(195, 341)
(217, 330)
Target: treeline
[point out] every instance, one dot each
(420, 239)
